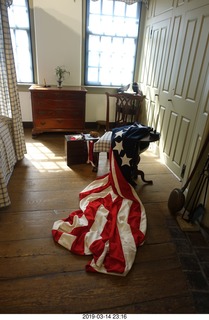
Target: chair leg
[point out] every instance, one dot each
(137, 172)
(96, 161)
(141, 173)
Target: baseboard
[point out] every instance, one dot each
(186, 226)
(88, 125)
(27, 124)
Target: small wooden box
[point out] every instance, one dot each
(75, 150)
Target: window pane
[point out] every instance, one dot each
(19, 3)
(21, 43)
(94, 24)
(94, 43)
(120, 27)
(117, 44)
(105, 60)
(132, 28)
(111, 42)
(93, 59)
(131, 11)
(94, 6)
(119, 9)
(92, 75)
(107, 7)
(18, 17)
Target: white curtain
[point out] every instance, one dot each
(9, 96)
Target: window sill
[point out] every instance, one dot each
(100, 89)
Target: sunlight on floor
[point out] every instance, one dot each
(44, 159)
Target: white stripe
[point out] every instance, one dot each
(126, 236)
(65, 226)
(96, 228)
(143, 221)
(94, 196)
(96, 184)
(114, 175)
(66, 240)
(100, 260)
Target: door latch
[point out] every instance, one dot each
(183, 170)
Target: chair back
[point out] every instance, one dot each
(127, 108)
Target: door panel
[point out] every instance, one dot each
(173, 75)
(172, 53)
(185, 92)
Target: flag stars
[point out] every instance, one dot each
(119, 134)
(118, 146)
(125, 160)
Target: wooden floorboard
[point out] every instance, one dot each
(84, 292)
(39, 276)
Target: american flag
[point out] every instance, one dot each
(111, 221)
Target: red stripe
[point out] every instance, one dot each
(56, 235)
(134, 220)
(114, 260)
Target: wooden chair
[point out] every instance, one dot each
(127, 111)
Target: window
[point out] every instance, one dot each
(111, 42)
(21, 41)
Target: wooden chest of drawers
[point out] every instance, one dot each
(58, 109)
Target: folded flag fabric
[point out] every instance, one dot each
(111, 221)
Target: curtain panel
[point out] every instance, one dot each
(12, 140)
(9, 3)
(146, 2)
(9, 96)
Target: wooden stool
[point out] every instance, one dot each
(75, 150)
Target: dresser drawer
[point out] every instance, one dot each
(69, 112)
(57, 104)
(51, 123)
(58, 95)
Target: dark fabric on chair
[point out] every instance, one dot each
(125, 145)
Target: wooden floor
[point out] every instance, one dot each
(39, 276)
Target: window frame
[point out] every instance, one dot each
(31, 44)
(85, 47)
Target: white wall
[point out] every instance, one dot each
(58, 40)
(25, 103)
